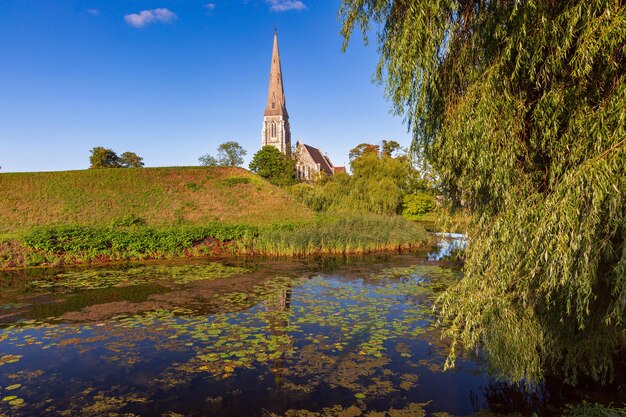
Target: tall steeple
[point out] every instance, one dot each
(276, 105)
(276, 131)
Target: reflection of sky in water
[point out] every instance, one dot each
(273, 339)
(330, 335)
(448, 245)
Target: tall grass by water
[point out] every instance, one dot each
(71, 244)
(337, 235)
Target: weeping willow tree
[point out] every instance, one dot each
(520, 106)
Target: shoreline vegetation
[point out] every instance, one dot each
(66, 245)
(110, 215)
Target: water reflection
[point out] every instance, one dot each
(449, 247)
(332, 336)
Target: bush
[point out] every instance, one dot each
(414, 206)
(93, 241)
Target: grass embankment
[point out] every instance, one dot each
(122, 214)
(158, 196)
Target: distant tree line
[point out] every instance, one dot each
(106, 158)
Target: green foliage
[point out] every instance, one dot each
(130, 160)
(106, 158)
(128, 220)
(586, 409)
(208, 161)
(519, 107)
(94, 241)
(363, 149)
(378, 184)
(389, 147)
(414, 206)
(339, 235)
(274, 166)
(129, 239)
(229, 154)
(103, 158)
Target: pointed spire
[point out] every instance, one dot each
(276, 105)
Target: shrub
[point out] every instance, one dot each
(414, 206)
(105, 241)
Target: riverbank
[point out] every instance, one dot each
(81, 244)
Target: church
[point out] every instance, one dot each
(310, 161)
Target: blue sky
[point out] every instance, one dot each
(172, 79)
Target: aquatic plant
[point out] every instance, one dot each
(135, 275)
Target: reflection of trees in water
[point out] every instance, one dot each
(544, 399)
(503, 397)
(277, 307)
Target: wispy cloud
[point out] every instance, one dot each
(285, 5)
(93, 12)
(210, 6)
(146, 17)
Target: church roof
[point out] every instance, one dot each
(276, 105)
(323, 160)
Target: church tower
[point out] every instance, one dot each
(276, 130)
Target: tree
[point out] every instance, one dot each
(130, 160)
(103, 158)
(362, 149)
(274, 166)
(106, 158)
(389, 147)
(518, 106)
(208, 160)
(229, 154)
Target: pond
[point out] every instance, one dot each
(313, 337)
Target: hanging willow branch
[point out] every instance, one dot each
(520, 107)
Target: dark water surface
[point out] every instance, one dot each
(333, 336)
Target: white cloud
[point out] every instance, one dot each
(93, 12)
(145, 17)
(210, 6)
(285, 5)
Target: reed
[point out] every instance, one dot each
(340, 234)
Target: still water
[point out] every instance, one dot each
(315, 337)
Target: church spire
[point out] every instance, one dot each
(276, 105)
(276, 130)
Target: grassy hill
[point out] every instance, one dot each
(159, 196)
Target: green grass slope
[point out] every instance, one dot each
(159, 196)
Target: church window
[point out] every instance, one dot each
(273, 130)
